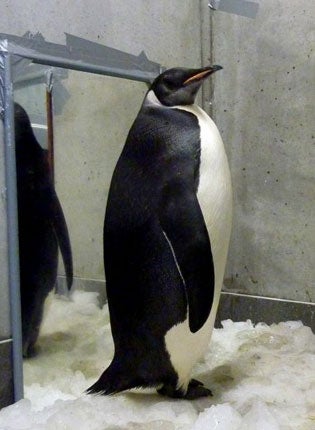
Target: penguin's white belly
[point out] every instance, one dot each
(215, 198)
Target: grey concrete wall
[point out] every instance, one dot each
(168, 31)
(95, 121)
(264, 107)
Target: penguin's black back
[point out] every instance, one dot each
(145, 290)
(42, 228)
(157, 253)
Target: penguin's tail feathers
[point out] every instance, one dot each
(113, 381)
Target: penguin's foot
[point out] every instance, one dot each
(194, 391)
(195, 383)
(29, 351)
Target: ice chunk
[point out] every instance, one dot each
(292, 324)
(259, 418)
(150, 425)
(262, 377)
(220, 417)
(15, 416)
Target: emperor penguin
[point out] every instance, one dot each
(166, 235)
(42, 229)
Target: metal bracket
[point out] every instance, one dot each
(249, 9)
(81, 54)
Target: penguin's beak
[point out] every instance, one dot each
(200, 74)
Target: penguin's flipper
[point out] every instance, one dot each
(62, 234)
(185, 231)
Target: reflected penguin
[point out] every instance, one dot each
(166, 235)
(42, 229)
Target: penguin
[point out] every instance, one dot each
(42, 229)
(166, 234)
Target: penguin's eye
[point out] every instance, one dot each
(170, 84)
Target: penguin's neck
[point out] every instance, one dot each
(152, 100)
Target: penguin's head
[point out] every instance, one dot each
(179, 86)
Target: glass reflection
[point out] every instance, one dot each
(75, 156)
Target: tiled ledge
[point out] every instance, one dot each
(238, 307)
(241, 307)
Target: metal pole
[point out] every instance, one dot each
(12, 222)
(135, 75)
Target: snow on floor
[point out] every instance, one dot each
(262, 377)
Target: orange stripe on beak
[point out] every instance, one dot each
(196, 77)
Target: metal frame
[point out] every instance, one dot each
(12, 228)
(75, 57)
(246, 8)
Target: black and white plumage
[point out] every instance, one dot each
(166, 234)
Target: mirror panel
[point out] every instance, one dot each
(91, 115)
(89, 136)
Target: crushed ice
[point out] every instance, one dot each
(262, 377)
